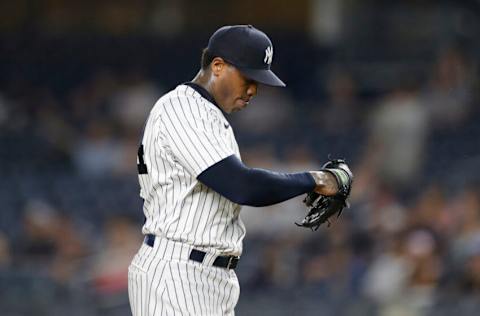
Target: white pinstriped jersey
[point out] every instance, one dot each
(184, 135)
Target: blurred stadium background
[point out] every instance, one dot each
(392, 86)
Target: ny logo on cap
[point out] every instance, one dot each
(268, 55)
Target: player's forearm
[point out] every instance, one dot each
(254, 187)
(263, 187)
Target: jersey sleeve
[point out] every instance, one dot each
(193, 133)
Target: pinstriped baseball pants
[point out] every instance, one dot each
(163, 281)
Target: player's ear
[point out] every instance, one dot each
(217, 65)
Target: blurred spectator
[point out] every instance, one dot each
(4, 114)
(431, 210)
(470, 278)
(398, 135)
(278, 268)
(36, 244)
(403, 279)
(336, 121)
(317, 267)
(327, 261)
(387, 274)
(98, 153)
(89, 99)
(340, 115)
(268, 118)
(387, 216)
(131, 102)
(68, 264)
(50, 243)
(51, 125)
(460, 289)
(5, 253)
(467, 209)
(423, 252)
(110, 264)
(448, 95)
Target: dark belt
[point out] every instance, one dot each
(227, 262)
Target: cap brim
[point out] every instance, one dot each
(263, 76)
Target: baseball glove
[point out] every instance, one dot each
(321, 207)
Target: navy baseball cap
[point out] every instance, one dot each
(248, 49)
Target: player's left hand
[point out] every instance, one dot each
(321, 207)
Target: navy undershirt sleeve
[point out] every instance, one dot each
(253, 186)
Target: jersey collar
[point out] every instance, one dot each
(204, 93)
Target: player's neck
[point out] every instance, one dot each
(204, 80)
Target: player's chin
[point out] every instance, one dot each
(240, 104)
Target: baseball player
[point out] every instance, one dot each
(193, 182)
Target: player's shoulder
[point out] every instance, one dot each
(180, 98)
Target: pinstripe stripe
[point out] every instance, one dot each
(138, 299)
(204, 149)
(209, 291)
(180, 209)
(171, 308)
(174, 292)
(216, 285)
(188, 217)
(131, 291)
(203, 304)
(158, 282)
(142, 296)
(212, 215)
(229, 294)
(223, 295)
(184, 296)
(202, 141)
(200, 153)
(192, 215)
(161, 297)
(176, 144)
(159, 210)
(193, 288)
(135, 302)
(132, 296)
(200, 214)
(197, 296)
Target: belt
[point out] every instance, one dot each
(227, 262)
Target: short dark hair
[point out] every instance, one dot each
(207, 58)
